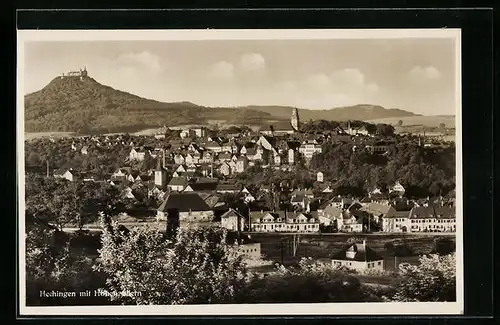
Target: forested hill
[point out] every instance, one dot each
(73, 105)
(361, 112)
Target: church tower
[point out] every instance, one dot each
(160, 175)
(295, 120)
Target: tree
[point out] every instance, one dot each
(50, 265)
(308, 283)
(443, 246)
(433, 279)
(400, 122)
(197, 266)
(385, 130)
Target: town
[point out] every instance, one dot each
(213, 177)
(206, 176)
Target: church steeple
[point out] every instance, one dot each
(160, 174)
(295, 121)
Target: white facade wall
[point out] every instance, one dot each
(252, 250)
(360, 265)
(432, 225)
(285, 227)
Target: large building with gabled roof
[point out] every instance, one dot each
(359, 257)
(185, 209)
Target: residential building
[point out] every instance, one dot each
(397, 188)
(69, 174)
(200, 132)
(329, 216)
(241, 164)
(225, 169)
(309, 148)
(432, 219)
(185, 209)
(282, 221)
(177, 184)
(179, 159)
(250, 248)
(233, 220)
(228, 188)
(137, 154)
(359, 257)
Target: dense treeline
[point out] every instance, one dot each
(422, 171)
(99, 161)
(61, 203)
(324, 126)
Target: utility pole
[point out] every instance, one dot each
(281, 251)
(212, 166)
(47, 161)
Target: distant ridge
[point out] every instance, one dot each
(81, 104)
(360, 112)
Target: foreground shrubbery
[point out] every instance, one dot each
(197, 266)
(52, 266)
(308, 283)
(433, 279)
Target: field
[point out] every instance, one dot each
(37, 135)
(425, 121)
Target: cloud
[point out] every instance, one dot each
(319, 82)
(349, 78)
(340, 88)
(252, 62)
(222, 70)
(286, 86)
(141, 61)
(425, 73)
(372, 88)
(325, 101)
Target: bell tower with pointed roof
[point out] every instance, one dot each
(295, 120)
(160, 174)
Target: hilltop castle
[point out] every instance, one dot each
(80, 73)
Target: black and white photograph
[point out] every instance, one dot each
(240, 172)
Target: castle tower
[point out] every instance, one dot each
(160, 174)
(295, 120)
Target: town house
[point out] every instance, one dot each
(230, 220)
(358, 257)
(184, 210)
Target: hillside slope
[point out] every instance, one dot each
(360, 112)
(74, 105)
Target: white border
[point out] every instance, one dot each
(355, 309)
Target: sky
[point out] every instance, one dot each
(417, 75)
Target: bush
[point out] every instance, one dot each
(443, 246)
(308, 283)
(51, 264)
(196, 267)
(403, 249)
(433, 279)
